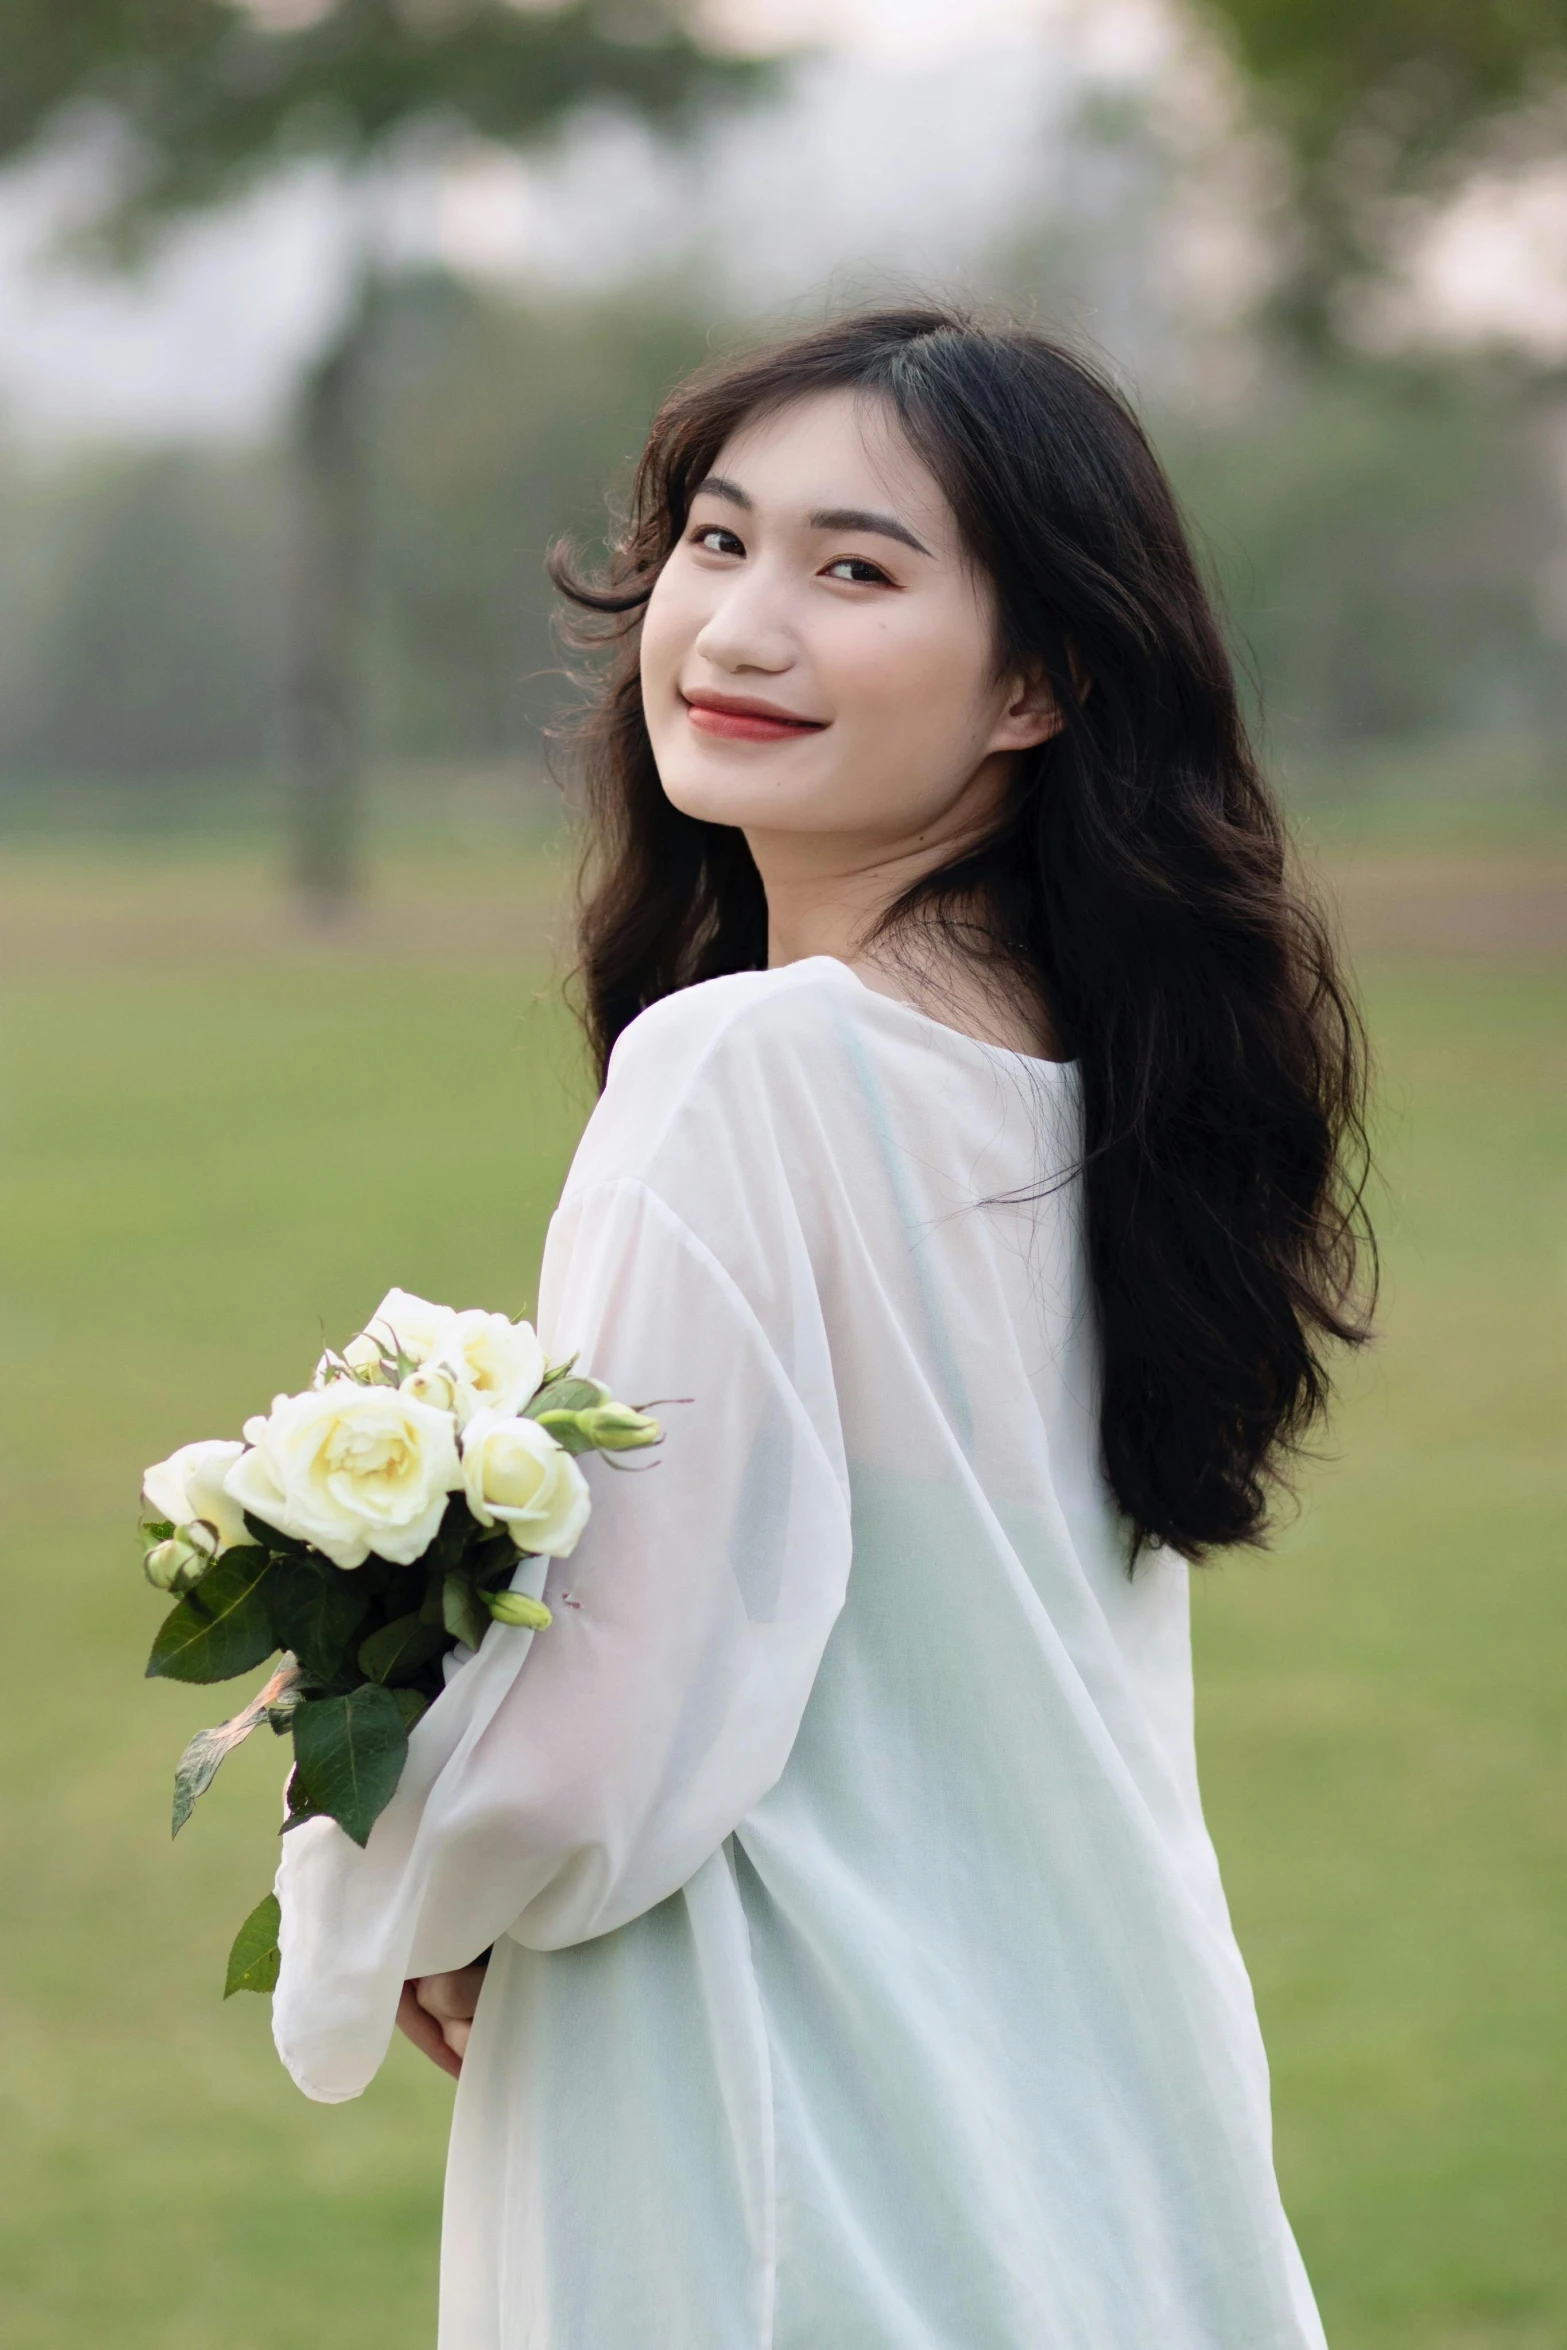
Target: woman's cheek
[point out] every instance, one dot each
(662, 640)
(907, 684)
(678, 609)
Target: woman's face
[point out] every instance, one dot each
(818, 654)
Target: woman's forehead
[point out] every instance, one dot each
(834, 449)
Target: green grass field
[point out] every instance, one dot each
(222, 1137)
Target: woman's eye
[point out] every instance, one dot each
(858, 571)
(707, 537)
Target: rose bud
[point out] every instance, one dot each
(515, 1607)
(176, 1564)
(615, 1427)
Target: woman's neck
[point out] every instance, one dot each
(826, 898)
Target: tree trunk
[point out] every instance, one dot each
(326, 614)
(1553, 587)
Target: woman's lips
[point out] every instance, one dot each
(748, 726)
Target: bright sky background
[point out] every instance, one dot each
(925, 131)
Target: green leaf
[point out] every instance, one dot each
(455, 1531)
(515, 1607)
(350, 1752)
(255, 1957)
(297, 1805)
(411, 1705)
(492, 1565)
(221, 1628)
(198, 1765)
(400, 1648)
(316, 1615)
(566, 1395)
(462, 1611)
(269, 1538)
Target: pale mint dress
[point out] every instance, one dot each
(862, 1978)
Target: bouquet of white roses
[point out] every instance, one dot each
(366, 1528)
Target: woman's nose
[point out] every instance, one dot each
(747, 628)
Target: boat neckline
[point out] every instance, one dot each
(932, 1027)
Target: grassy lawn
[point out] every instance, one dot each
(1380, 1710)
(221, 1137)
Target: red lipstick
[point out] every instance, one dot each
(742, 718)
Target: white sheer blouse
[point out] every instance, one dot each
(862, 1978)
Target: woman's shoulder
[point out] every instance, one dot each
(748, 1010)
(712, 1057)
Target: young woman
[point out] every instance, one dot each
(972, 1154)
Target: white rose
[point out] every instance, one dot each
(495, 1364)
(513, 1471)
(405, 1324)
(189, 1485)
(351, 1469)
(363, 1353)
(401, 1324)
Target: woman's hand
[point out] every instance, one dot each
(436, 2013)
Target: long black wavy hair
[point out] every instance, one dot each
(1137, 878)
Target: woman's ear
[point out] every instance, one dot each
(1032, 715)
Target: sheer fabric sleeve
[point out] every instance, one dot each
(564, 1782)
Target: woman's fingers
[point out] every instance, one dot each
(436, 2013)
(426, 2033)
(452, 1998)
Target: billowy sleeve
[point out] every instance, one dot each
(566, 1781)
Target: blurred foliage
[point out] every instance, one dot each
(141, 611)
(1382, 97)
(1430, 66)
(1378, 536)
(142, 597)
(497, 432)
(214, 93)
(207, 96)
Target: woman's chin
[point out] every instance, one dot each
(747, 799)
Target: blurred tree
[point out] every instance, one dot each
(1460, 56)
(497, 430)
(142, 596)
(139, 616)
(1377, 534)
(1377, 96)
(211, 96)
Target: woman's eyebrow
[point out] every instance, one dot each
(885, 526)
(718, 485)
(882, 526)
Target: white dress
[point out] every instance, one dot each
(862, 1978)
